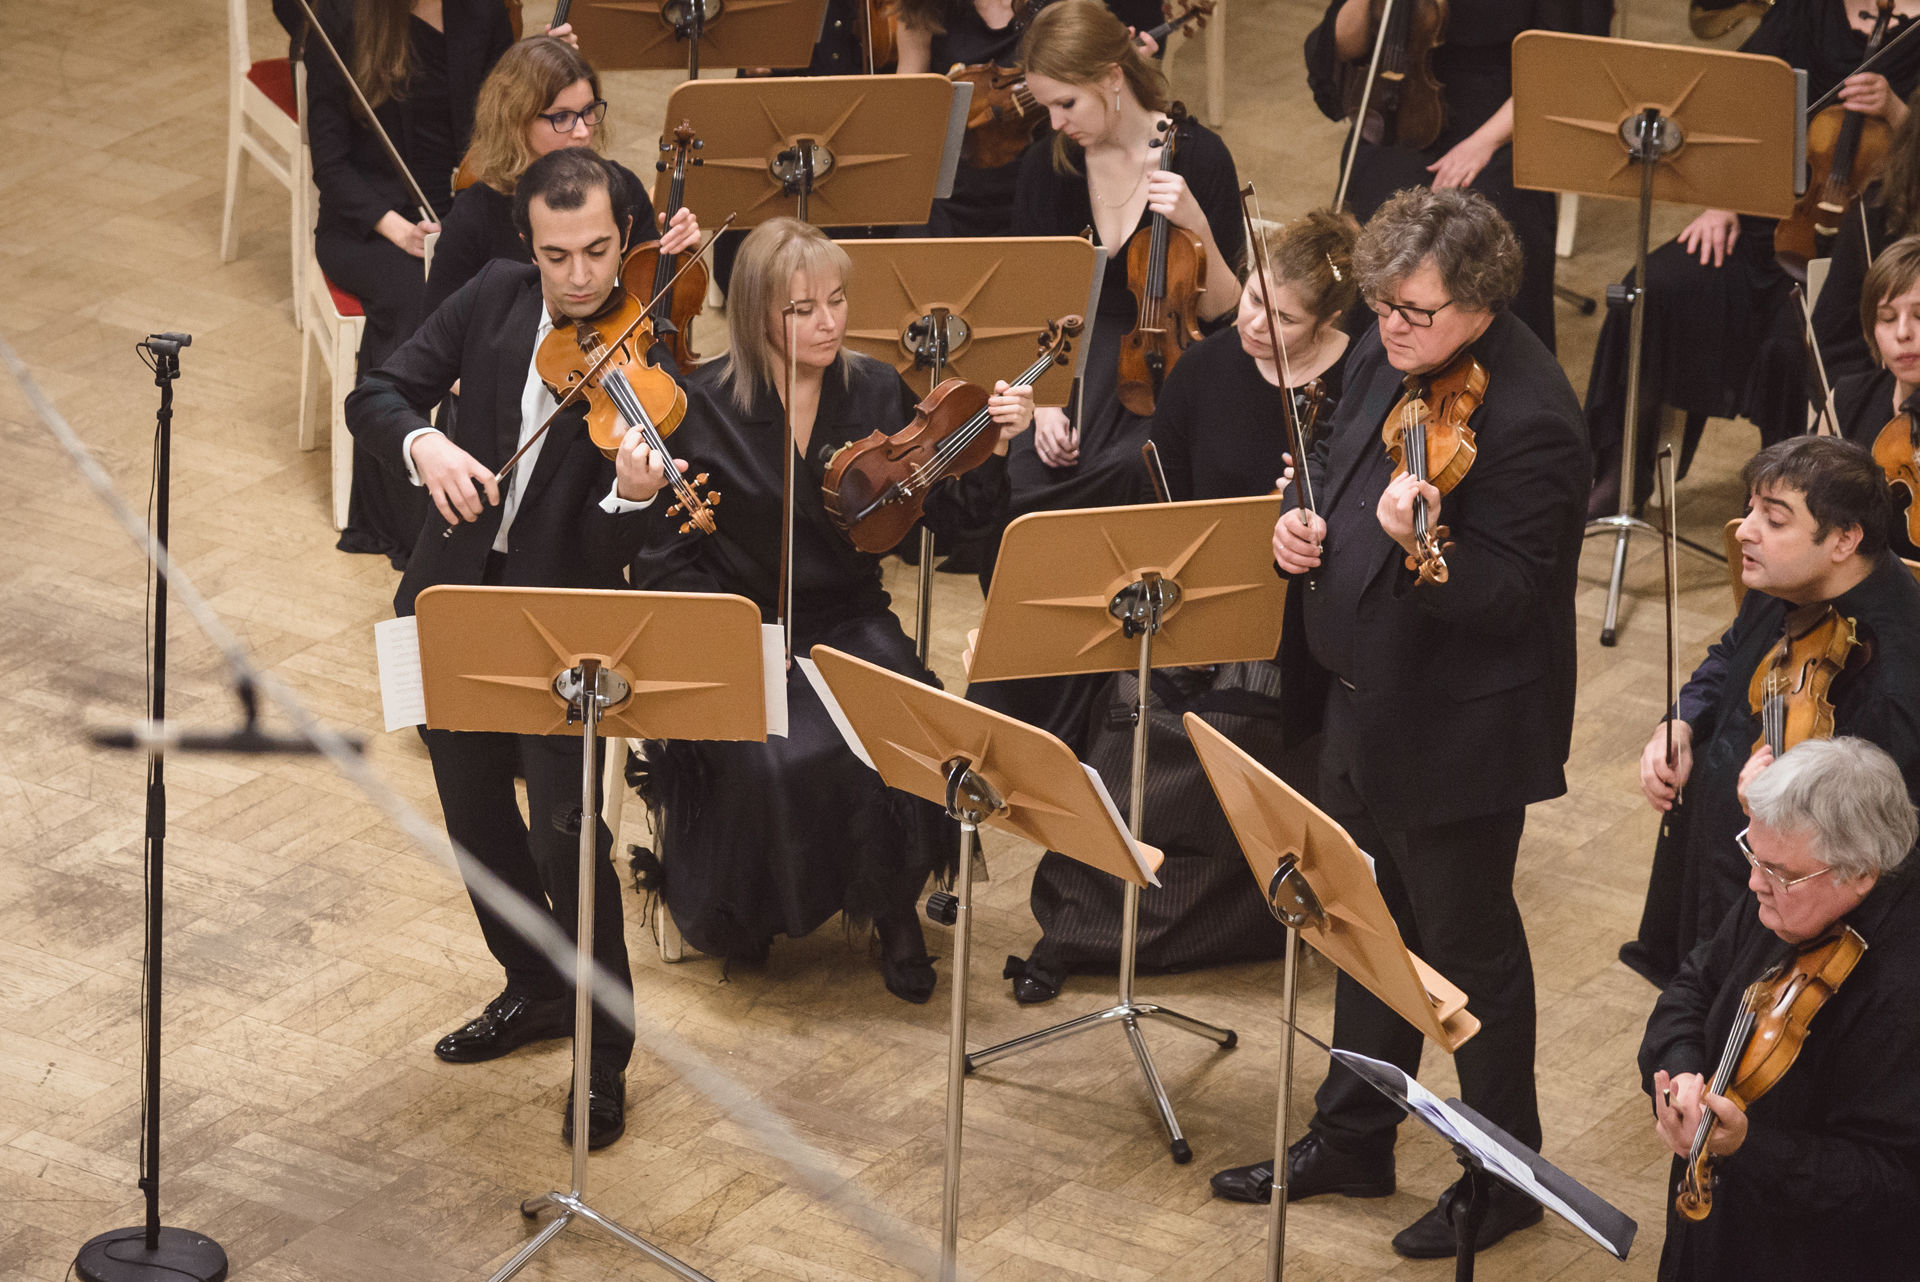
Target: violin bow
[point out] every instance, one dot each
(784, 613)
(1156, 474)
(1871, 63)
(1670, 562)
(1296, 439)
(1360, 117)
(1829, 424)
(366, 108)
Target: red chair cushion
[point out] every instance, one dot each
(343, 302)
(274, 78)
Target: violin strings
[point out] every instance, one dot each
(956, 444)
(615, 381)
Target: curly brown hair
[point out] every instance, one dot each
(1313, 256)
(1476, 252)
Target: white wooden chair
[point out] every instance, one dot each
(333, 322)
(263, 124)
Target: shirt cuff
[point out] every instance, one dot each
(406, 451)
(614, 505)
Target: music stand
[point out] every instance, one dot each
(652, 665)
(1624, 118)
(1318, 883)
(970, 309)
(1108, 589)
(629, 35)
(835, 151)
(988, 769)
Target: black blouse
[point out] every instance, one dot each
(1864, 404)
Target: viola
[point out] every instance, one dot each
(1897, 451)
(603, 359)
(1167, 274)
(648, 271)
(1788, 691)
(875, 489)
(1426, 434)
(1766, 1038)
(1845, 150)
(1396, 99)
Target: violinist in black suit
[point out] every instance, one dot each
(565, 517)
(1446, 707)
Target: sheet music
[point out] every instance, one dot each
(1113, 813)
(403, 694)
(834, 710)
(773, 673)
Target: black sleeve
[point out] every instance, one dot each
(1700, 696)
(1216, 185)
(464, 247)
(346, 191)
(1676, 1038)
(1323, 66)
(1173, 415)
(395, 399)
(641, 202)
(1035, 206)
(1836, 316)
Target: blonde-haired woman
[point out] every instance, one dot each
(540, 97)
(774, 838)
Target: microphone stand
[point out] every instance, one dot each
(151, 1251)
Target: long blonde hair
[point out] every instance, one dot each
(528, 77)
(1077, 42)
(762, 271)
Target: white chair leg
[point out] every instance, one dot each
(236, 174)
(1217, 65)
(308, 340)
(346, 343)
(302, 239)
(1569, 223)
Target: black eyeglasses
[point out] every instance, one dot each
(564, 121)
(1418, 317)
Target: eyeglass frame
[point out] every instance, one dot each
(553, 117)
(1407, 311)
(1772, 873)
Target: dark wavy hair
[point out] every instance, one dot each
(562, 179)
(1841, 483)
(1472, 245)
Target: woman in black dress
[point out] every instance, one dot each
(540, 97)
(936, 35)
(420, 64)
(1722, 336)
(1889, 211)
(1218, 428)
(1107, 102)
(775, 838)
(1867, 401)
(1475, 70)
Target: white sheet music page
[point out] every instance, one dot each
(403, 695)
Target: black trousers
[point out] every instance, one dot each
(386, 510)
(537, 859)
(1450, 889)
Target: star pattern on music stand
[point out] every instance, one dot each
(1632, 105)
(781, 137)
(916, 307)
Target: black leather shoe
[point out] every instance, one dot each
(1431, 1237)
(606, 1108)
(1313, 1167)
(1032, 982)
(507, 1024)
(911, 979)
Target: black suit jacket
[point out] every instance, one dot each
(1465, 689)
(483, 336)
(358, 184)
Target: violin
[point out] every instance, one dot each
(1396, 99)
(879, 33)
(1167, 274)
(1788, 691)
(647, 270)
(1426, 434)
(1897, 451)
(1766, 1038)
(603, 358)
(876, 489)
(1845, 150)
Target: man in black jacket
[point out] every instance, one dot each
(1820, 1176)
(565, 517)
(1446, 706)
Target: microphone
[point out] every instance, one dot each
(167, 344)
(167, 736)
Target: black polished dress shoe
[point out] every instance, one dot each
(1313, 1167)
(606, 1108)
(508, 1023)
(1432, 1237)
(1032, 982)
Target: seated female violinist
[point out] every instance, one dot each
(541, 96)
(1888, 211)
(774, 838)
(1218, 431)
(1869, 403)
(1107, 103)
(1816, 1177)
(1722, 337)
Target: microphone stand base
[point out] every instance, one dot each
(122, 1256)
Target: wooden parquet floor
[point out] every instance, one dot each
(313, 955)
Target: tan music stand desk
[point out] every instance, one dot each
(1114, 588)
(836, 151)
(985, 769)
(1622, 118)
(629, 35)
(656, 665)
(971, 309)
(1319, 885)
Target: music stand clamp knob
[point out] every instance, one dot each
(971, 800)
(1650, 135)
(943, 908)
(1143, 605)
(610, 689)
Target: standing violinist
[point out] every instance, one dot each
(1868, 403)
(1474, 146)
(775, 838)
(1815, 536)
(566, 517)
(1446, 707)
(1107, 103)
(1820, 1176)
(1219, 431)
(1722, 335)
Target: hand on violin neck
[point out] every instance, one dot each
(680, 234)
(563, 32)
(1758, 762)
(1011, 408)
(640, 473)
(1869, 94)
(450, 476)
(1677, 1102)
(1661, 780)
(1395, 510)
